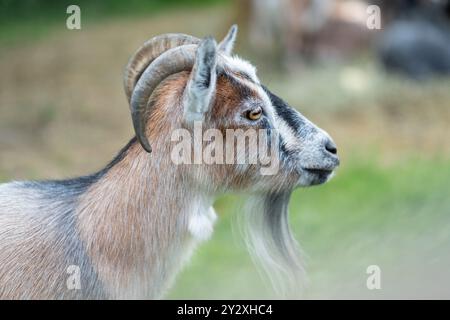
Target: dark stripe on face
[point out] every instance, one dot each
(282, 147)
(284, 111)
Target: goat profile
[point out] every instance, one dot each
(129, 228)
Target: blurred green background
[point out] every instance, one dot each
(63, 113)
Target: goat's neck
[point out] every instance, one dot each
(138, 221)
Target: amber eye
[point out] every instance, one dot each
(255, 114)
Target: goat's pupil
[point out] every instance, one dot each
(255, 114)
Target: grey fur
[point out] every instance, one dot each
(42, 213)
(271, 244)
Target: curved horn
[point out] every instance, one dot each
(148, 52)
(174, 60)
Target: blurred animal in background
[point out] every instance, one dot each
(306, 30)
(416, 39)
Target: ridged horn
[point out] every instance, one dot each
(172, 61)
(148, 52)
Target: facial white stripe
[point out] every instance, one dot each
(237, 64)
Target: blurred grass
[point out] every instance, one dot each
(397, 217)
(63, 113)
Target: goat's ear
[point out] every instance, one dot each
(227, 44)
(201, 86)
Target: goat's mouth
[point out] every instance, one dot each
(315, 176)
(319, 171)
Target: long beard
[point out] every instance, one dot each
(271, 244)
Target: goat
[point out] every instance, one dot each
(416, 44)
(130, 227)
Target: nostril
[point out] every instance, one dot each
(331, 147)
(332, 150)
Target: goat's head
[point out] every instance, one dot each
(223, 92)
(210, 87)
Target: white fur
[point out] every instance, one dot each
(238, 64)
(286, 132)
(201, 223)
